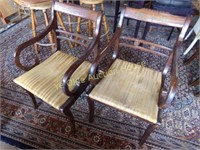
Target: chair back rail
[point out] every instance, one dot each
(75, 41)
(82, 40)
(85, 38)
(77, 11)
(147, 42)
(152, 16)
(143, 42)
(143, 49)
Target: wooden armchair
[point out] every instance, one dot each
(133, 88)
(60, 68)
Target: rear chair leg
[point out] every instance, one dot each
(146, 30)
(50, 33)
(137, 29)
(69, 114)
(146, 134)
(33, 20)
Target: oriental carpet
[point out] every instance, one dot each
(47, 128)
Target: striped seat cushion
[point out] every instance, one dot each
(45, 79)
(131, 88)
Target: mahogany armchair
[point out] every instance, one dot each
(133, 88)
(60, 68)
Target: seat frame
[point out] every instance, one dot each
(92, 47)
(165, 96)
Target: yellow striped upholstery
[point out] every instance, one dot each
(44, 80)
(131, 88)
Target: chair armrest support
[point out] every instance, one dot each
(32, 41)
(73, 68)
(167, 66)
(168, 96)
(166, 101)
(95, 64)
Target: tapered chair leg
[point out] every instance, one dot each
(60, 21)
(78, 27)
(146, 30)
(50, 33)
(172, 30)
(147, 132)
(19, 12)
(105, 23)
(116, 15)
(89, 25)
(137, 29)
(91, 109)
(69, 114)
(32, 98)
(70, 23)
(130, 5)
(93, 23)
(33, 20)
(89, 28)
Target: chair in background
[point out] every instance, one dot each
(6, 10)
(33, 5)
(137, 4)
(132, 88)
(92, 4)
(175, 7)
(189, 60)
(196, 30)
(44, 79)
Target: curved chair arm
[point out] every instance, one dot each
(73, 68)
(96, 62)
(32, 41)
(168, 98)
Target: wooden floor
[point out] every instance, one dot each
(5, 146)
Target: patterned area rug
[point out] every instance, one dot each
(111, 129)
(4, 28)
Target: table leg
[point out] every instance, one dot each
(117, 4)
